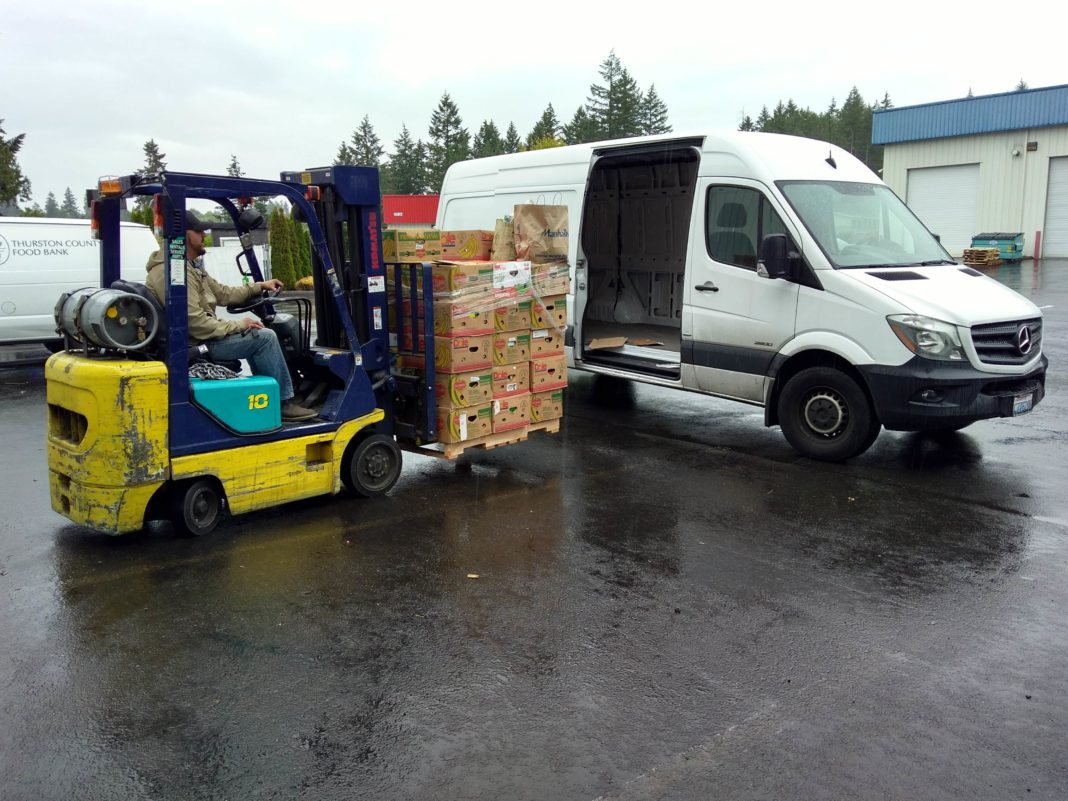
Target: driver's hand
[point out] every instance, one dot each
(251, 322)
(274, 285)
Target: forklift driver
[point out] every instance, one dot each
(228, 339)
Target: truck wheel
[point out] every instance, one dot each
(371, 466)
(196, 507)
(825, 415)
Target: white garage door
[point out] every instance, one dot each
(945, 199)
(1055, 234)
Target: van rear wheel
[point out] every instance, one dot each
(826, 415)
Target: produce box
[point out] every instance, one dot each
(405, 246)
(466, 244)
(460, 425)
(452, 317)
(463, 354)
(511, 347)
(546, 342)
(548, 373)
(547, 406)
(551, 279)
(461, 390)
(462, 278)
(549, 312)
(511, 413)
(513, 316)
(511, 379)
(511, 281)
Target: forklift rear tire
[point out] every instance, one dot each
(371, 465)
(196, 507)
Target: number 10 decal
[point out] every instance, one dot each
(257, 401)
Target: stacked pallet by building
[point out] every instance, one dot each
(982, 257)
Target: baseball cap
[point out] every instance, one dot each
(194, 223)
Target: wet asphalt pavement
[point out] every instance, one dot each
(669, 604)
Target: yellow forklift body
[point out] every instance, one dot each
(107, 438)
(269, 473)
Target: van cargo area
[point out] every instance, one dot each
(635, 231)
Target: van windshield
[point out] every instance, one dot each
(862, 225)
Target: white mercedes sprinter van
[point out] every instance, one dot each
(773, 270)
(41, 258)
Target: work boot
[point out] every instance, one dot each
(292, 411)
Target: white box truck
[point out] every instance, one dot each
(41, 258)
(774, 270)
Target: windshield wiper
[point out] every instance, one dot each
(933, 263)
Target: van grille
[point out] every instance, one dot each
(999, 343)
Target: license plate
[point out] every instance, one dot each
(1022, 404)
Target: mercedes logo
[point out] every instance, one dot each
(1023, 340)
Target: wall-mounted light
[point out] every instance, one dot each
(1015, 152)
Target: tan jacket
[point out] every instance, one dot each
(205, 294)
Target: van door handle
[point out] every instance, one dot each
(707, 286)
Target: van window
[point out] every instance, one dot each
(737, 219)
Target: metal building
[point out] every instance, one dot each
(979, 164)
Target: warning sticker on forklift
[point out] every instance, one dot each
(377, 313)
(176, 261)
(376, 283)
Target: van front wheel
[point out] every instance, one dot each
(826, 415)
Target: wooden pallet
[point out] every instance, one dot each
(982, 257)
(452, 450)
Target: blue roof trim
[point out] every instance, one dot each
(1009, 111)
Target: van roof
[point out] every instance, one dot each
(60, 221)
(761, 156)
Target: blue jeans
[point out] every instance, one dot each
(260, 347)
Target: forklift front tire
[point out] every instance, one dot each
(371, 465)
(196, 507)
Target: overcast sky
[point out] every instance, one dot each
(280, 84)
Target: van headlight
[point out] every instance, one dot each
(927, 337)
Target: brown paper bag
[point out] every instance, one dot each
(503, 241)
(541, 233)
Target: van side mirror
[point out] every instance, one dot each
(776, 257)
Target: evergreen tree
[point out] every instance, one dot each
(855, 126)
(51, 208)
(364, 147)
(511, 139)
(449, 141)
(279, 234)
(615, 106)
(154, 165)
(547, 127)
(405, 173)
(654, 113)
(234, 168)
(70, 209)
(487, 141)
(747, 124)
(885, 102)
(302, 241)
(581, 129)
(345, 155)
(14, 185)
(33, 211)
(1022, 86)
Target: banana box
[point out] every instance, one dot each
(549, 279)
(546, 342)
(511, 379)
(460, 390)
(407, 245)
(511, 413)
(513, 316)
(462, 278)
(548, 373)
(463, 354)
(454, 318)
(511, 347)
(466, 245)
(549, 312)
(460, 425)
(546, 406)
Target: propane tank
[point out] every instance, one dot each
(108, 318)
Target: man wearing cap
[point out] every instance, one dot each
(228, 340)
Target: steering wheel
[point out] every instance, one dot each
(253, 305)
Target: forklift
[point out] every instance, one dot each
(132, 437)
